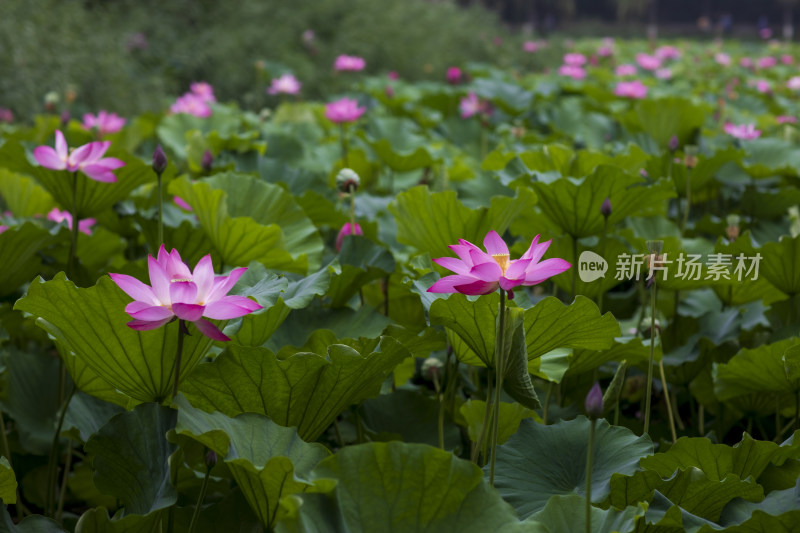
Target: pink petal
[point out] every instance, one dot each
(89, 153)
(230, 307)
(210, 330)
(222, 284)
(451, 263)
(494, 244)
(478, 287)
(508, 284)
(545, 269)
(203, 276)
(148, 313)
(159, 280)
(449, 283)
(141, 325)
(61, 146)
(189, 312)
(99, 173)
(135, 288)
(517, 269)
(48, 158)
(463, 253)
(479, 257)
(176, 268)
(536, 252)
(182, 292)
(487, 271)
(529, 252)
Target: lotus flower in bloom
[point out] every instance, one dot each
(572, 71)
(663, 73)
(104, 122)
(176, 291)
(785, 119)
(286, 84)
(347, 229)
(574, 59)
(203, 90)
(344, 110)
(180, 202)
(58, 216)
(723, 59)
(742, 131)
(667, 52)
(454, 75)
(794, 83)
(6, 115)
(479, 272)
(352, 63)
(631, 89)
(191, 104)
(787, 59)
(87, 159)
(648, 62)
(471, 105)
(626, 70)
(745, 62)
(762, 86)
(530, 46)
(766, 62)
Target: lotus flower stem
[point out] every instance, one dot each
(649, 392)
(669, 401)
(440, 397)
(685, 220)
(200, 498)
(160, 212)
(343, 140)
(178, 354)
(62, 493)
(602, 253)
(499, 366)
(797, 411)
(52, 462)
(777, 419)
(338, 432)
(546, 406)
(73, 248)
(589, 460)
(574, 262)
(486, 418)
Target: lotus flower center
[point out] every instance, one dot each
(176, 280)
(502, 260)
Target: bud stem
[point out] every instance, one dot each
(200, 498)
(160, 212)
(652, 355)
(669, 401)
(589, 466)
(343, 139)
(499, 370)
(73, 248)
(181, 332)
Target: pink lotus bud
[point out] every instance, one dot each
(454, 75)
(674, 143)
(346, 230)
(208, 160)
(211, 459)
(605, 209)
(159, 160)
(594, 402)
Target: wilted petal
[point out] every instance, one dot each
(546, 269)
(188, 312)
(487, 271)
(478, 287)
(48, 158)
(135, 288)
(448, 283)
(451, 263)
(230, 307)
(494, 244)
(210, 330)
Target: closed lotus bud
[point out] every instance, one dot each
(594, 402)
(211, 459)
(605, 209)
(346, 230)
(674, 143)
(159, 160)
(65, 116)
(431, 368)
(207, 161)
(347, 180)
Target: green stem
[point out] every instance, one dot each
(602, 254)
(73, 248)
(440, 397)
(486, 417)
(589, 460)
(64, 480)
(343, 140)
(574, 266)
(338, 432)
(178, 354)
(52, 462)
(685, 220)
(652, 357)
(160, 212)
(200, 500)
(547, 398)
(777, 416)
(499, 364)
(669, 401)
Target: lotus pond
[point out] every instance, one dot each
(553, 301)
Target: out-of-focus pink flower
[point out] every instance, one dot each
(203, 90)
(574, 59)
(347, 229)
(471, 105)
(6, 115)
(3, 228)
(766, 62)
(762, 86)
(286, 84)
(188, 295)
(787, 59)
(497, 41)
(191, 104)
(667, 52)
(765, 33)
(479, 272)
(351, 63)
(344, 110)
(454, 75)
(393, 75)
(626, 69)
(648, 62)
(309, 36)
(631, 89)
(785, 119)
(793, 83)
(746, 62)
(530, 47)
(605, 51)
(84, 226)
(104, 122)
(742, 131)
(87, 159)
(572, 71)
(722, 58)
(180, 202)
(664, 73)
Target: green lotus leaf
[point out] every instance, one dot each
(19, 247)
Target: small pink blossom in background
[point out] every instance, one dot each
(497, 41)
(722, 58)
(87, 159)
(742, 131)
(6, 115)
(285, 84)
(471, 105)
(454, 75)
(643, 172)
(793, 83)
(393, 75)
(648, 62)
(203, 90)
(479, 272)
(574, 59)
(765, 33)
(3, 228)
(766, 62)
(664, 73)
(84, 226)
(626, 69)
(180, 202)
(605, 51)
(530, 46)
(787, 59)
(746, 62)
(762, 86)
(188, 295)
(785, 119)
(191, 104)
(104, 122)
(344, 110)
(572, 71)
(631, 89)
(349, 63)
(346, 230)
(309, 36)
(667, 52)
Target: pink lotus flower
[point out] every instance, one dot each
(84, 226)
(180, 202)
(351, 63)
(626, 70)
(787, 59)
(765, 33)
(667, 52)
(393, 75)
(605, 51)
(572, 71)
(178, 292)
(663, 73)
(286, 84)
(3, 228)
(530, 46)
(203, 90)
(191, 104)
(762, 86)
(742, 131)
(722, 59)
(745, 62)
(794, 83)
(454, 75)
(785, 119)
(574, 59)
(766, 62)
(104, 122)
(631, 89)
(344, 110)
(6, 115)
(347, 229)
(87, 159)
(648, 62)
(471, 105)
(479, 272)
